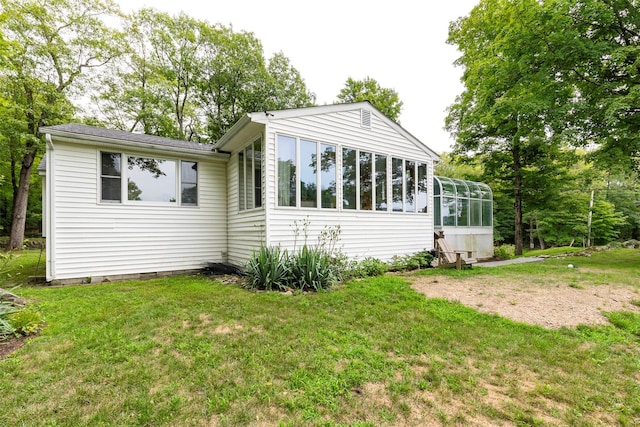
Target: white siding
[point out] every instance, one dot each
(103, 239)
(246, 228)
(363, 233)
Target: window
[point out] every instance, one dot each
(366, 189)
(305, 166)
(148, 180)
(287, 181)
(409, 186)
(250, 176)
(348, 178)
(189, 183)
(328, 175)
(110, 177)
(151, 180)
(396, 183)
(381, 182)
(257, 173)
(308, 175)
(423, 183)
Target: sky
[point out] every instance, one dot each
(401, 44)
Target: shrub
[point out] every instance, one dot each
(369, 267)
(504, 251)
(415, 261)
(269, 269)
(26, 321)
(312, 269)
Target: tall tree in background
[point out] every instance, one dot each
(600, 44)
(511, 109)
(51, 44)
(384, 99)
(187, 79)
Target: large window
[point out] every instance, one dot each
(308, 174)
(366, 187)
(151, 180)
(423, 186)
(250, 176)
(148, 180)
(307, 177)
(349, 172)
(328, 175)
(381, 182)
(287, 181)
(396, 184)
(305, 166)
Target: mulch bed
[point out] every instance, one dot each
(9, 346)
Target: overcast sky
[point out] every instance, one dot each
(401, 44)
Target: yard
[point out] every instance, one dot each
(196, 351)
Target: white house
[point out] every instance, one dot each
(124, 205)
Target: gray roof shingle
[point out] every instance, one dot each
(119, 135)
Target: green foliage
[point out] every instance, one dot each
(269, 269)
(6, 328)
(384, 99)
(188, 79)
(26, 321)
(315, 359)
(504, 251)
(312, 270)
(625, 320)
(369, 267)
(409, 262)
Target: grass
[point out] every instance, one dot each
(192, 351)
(552, 251)
(16, 267)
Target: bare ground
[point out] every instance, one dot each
(551, 305)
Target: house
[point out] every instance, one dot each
(118, 204)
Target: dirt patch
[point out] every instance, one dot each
(551, 305)
(10, 345)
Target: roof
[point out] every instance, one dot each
(266, 116)
(79, 131)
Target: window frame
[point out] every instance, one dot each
(248, 185)
(124, 180)
(319, 144)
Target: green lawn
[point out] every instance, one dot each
(193, 351)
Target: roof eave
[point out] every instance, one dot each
(79, 137)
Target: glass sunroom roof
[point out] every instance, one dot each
(453, 187)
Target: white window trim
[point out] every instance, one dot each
(124, 179)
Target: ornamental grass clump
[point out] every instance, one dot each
(312, 269)
(269, 269)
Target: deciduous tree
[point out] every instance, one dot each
(51, 45)
(384, 99)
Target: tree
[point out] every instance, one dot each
(512, 109)
(384, 99)
(51, 45)
(187, 79)
(600, 46)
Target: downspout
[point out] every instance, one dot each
(50, 210)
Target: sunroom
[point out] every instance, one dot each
(463, 211)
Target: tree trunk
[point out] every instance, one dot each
(531, 241)
(517, 203)
(19, 217)
(540, 239)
